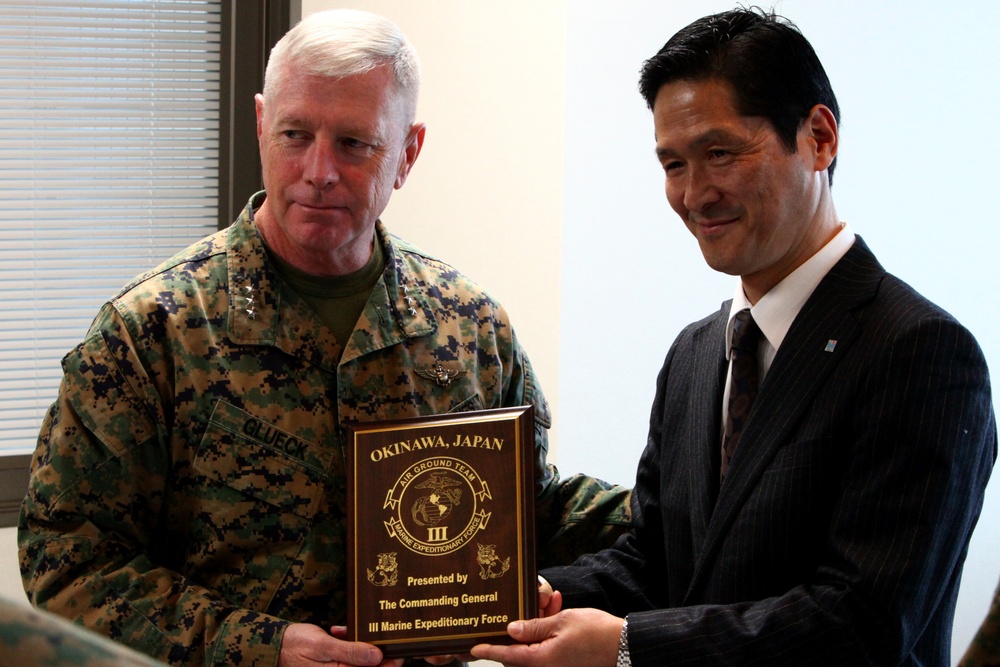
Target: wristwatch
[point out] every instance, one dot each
(623, 658)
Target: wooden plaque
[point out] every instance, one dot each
(441, 531)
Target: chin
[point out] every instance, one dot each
(727, 265)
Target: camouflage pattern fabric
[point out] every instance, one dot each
(187, 495)
(39, 639)
(984, 651)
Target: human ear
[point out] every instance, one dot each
(822, 136)
(411, 149)
(258, 101)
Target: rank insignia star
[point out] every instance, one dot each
(249, 301)
(441, 375)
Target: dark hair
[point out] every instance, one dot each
(771, 67)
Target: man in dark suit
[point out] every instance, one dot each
(809, 500)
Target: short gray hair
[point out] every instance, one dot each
(346, 42)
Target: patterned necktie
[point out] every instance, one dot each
(743, 385)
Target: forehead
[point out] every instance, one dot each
(690, 111)
(299, 93)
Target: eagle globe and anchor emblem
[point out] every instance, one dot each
(430, 510)
(436, 504)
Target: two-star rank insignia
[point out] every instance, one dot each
(443, 376)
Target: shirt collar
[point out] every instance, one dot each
(776, 310)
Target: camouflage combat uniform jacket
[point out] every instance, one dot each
(32, 637)
(187, 495)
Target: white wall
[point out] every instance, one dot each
(10, 579)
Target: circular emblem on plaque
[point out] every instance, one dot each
(436, 506)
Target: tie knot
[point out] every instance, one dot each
(745, 331)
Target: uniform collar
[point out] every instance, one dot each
(254, 288)
(260, 314)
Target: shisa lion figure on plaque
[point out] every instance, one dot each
(488, 559)
(387, 570)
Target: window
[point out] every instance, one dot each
(120, 138)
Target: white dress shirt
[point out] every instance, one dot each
(776, 310)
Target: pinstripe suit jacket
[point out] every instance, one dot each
(839, 534)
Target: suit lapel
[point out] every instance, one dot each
(820, 336)
(707, 379)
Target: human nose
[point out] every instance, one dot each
(699, 189)
(321, 168)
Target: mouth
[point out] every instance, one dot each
(320, 209)
(317, 206)
(714, 226)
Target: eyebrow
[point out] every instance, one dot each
(288, 119)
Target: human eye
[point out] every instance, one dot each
(355, 144)
(356, 147)
(670, 166)
(293, 135)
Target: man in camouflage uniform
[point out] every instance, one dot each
(187, 495)
(32, 637)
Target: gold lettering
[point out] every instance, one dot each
(477, 441)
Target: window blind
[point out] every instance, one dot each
(109, 163)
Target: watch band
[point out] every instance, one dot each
(623, 658)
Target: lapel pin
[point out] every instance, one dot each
(831, 345)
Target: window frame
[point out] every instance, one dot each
(259, 24)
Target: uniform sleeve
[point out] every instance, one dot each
(579, 515)
(32, 637)
(575, 516)
(89, 523)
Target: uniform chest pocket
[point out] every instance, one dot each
(262, 461)
(254, 496)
